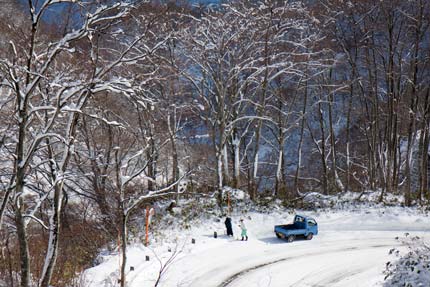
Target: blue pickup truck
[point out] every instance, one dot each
(302, 226)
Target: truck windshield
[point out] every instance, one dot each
(312, 222)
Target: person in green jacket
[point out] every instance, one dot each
(243, 228)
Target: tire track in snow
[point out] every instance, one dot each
(197, 280)
(238, 275)
(345, 275)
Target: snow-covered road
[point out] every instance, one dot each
(331, 265)
(351, 250)
(332, 259)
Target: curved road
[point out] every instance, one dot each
(354, 258)
(343, 267)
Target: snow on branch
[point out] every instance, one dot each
(155, 193)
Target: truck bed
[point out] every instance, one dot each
(289, 229)
(287, 226)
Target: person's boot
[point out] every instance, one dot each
(246, 238)
(242, 238)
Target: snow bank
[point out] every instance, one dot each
(412, 269)
(236, 194)
(346, 200)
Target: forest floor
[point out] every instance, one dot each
(352, 249)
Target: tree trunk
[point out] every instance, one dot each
(175, 165)
(236, 153)
(424, 147)
(411, 142)
(152, 158)
(54, 234)
(19, 189)
(413, 108)
(123, 249)
(279, 184)
(323, 149)
(225, 165)
(299, 150)
(55, 218)
(260, 111)
(391, 130)
(175, 169)
(377, 164)
(10, 264)
(425, 167)
(255, 164)
(348, 137)
(219, 174)
(336, 180)
(24, 253)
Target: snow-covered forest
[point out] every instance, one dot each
(110, 108)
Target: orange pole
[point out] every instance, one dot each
(147, 226)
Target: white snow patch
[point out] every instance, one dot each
(351, 249)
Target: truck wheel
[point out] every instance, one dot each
(278, 235)
(309, 236)
(291, 238)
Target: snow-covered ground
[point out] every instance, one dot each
(352, 249)
(413, 266)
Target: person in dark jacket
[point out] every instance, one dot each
(228, 226)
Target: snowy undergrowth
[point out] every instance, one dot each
(412, 268)
(346, 200)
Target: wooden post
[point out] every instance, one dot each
(147, 226)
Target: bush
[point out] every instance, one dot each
(411, 269)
